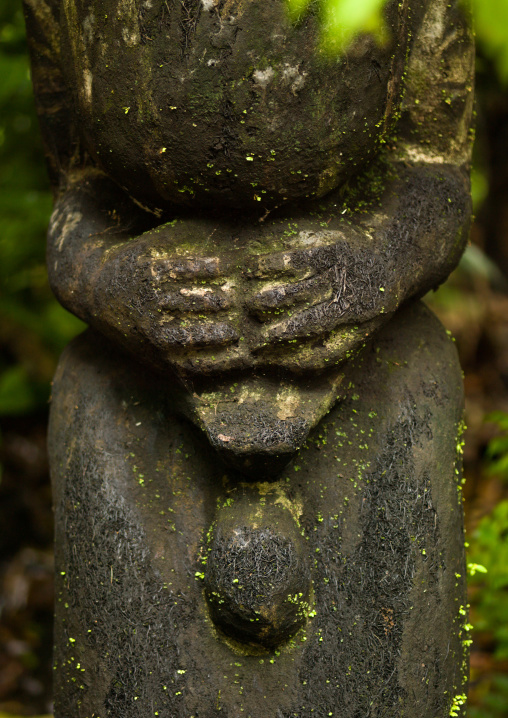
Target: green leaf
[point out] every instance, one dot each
(491, 24)
(343, 20)
(16, 393)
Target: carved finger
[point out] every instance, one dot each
(184, 268)
(194, 335)
(278, 265)
(195, 299)
(348, 305)
(275, 297)
(310, 254)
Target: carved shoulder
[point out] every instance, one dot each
(51, 95)
(438, 104)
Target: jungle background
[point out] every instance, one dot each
(473, 304)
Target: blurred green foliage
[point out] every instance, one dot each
(489, 586)
(497, 450)
(343, 19)
(489, 550)
(491, 25)
(494, 701)
(33, 326)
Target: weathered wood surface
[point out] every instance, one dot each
(254, 450)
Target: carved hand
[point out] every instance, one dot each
(207, 296)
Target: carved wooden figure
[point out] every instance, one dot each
(255, 448)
